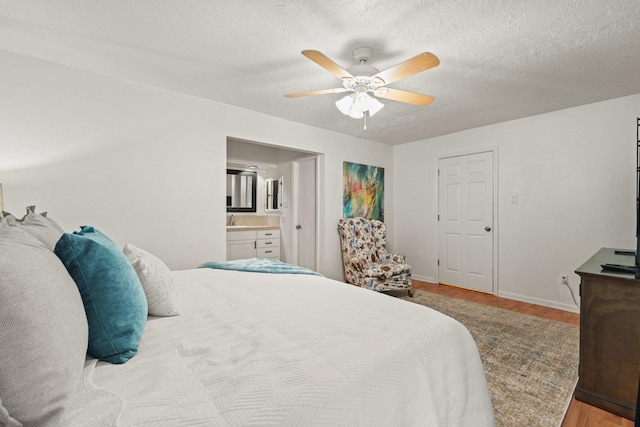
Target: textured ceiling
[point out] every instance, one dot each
(499, 59)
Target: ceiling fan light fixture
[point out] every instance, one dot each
(356, 104)
(362, 101)
(355, 113)
(365, 102)
(374, 106)
(345, 104)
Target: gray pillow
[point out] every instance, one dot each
(9, 219)
(7, 420)
(44, 331)
(42, 228)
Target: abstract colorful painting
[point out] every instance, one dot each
(363, 193)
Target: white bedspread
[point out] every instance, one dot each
(258, 349)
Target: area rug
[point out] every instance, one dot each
(531, 363)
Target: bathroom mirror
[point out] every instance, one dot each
(241, 190)
(273, 194)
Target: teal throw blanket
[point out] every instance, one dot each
(260, 265)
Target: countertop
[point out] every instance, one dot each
(251, 227)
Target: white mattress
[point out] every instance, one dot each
(296, 350)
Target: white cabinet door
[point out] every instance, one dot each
(241, 249)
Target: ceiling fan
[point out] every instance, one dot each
(366, 83)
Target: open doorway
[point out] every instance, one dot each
(271, 161)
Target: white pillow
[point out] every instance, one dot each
(156, 281)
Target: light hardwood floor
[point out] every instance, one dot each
(579, 413)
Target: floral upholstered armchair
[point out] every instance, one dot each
(366, 261)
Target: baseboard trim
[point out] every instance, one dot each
(538, 301)
(517, 297)
(423, 278)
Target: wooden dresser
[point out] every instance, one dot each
(609, 335)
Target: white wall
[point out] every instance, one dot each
(574, 174)
(147, 165)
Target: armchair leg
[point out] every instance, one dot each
(410, 293)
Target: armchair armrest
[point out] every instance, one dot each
(358, 262)
(397, 258)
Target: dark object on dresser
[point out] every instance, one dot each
(609, 335)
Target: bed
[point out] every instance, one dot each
(248, 348)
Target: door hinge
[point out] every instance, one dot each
(438, 217)
(438, 172)
(438, 262)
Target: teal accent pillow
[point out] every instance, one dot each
(112, 294)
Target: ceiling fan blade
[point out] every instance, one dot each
(411, 66)
(316, 92)
(404, 96)
(320, 59)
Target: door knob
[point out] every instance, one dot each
(298, 227)
(487, 228)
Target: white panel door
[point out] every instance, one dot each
(465, 221)
(306, 209)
